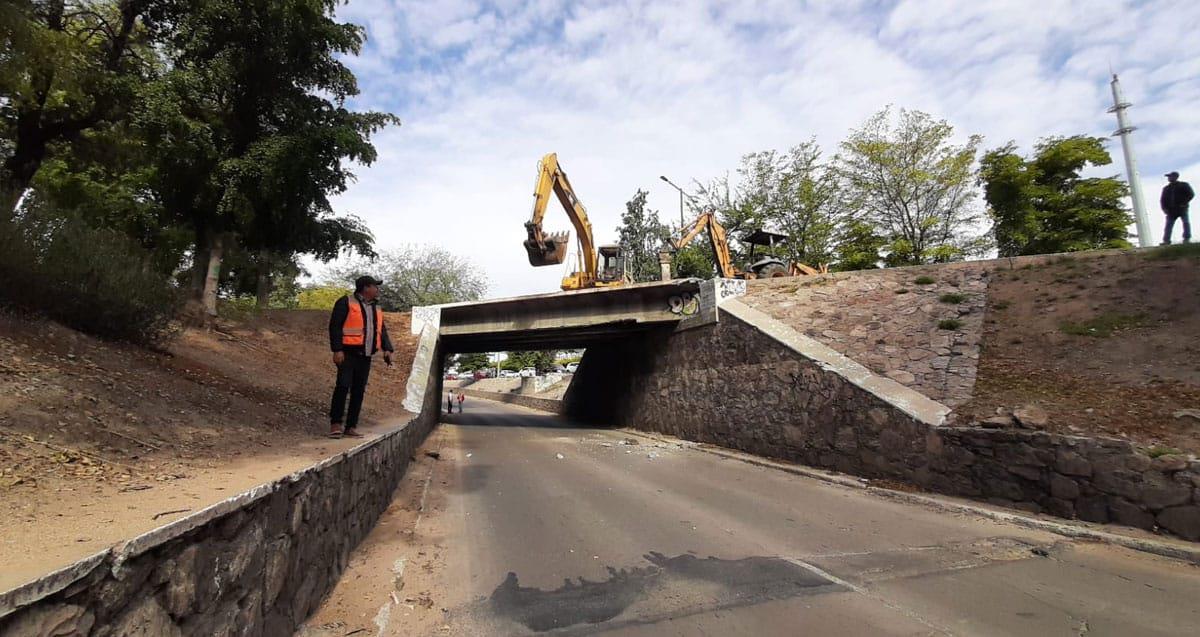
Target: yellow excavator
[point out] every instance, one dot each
(766, 267)
(603, 267)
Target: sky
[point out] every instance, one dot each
(627, 91)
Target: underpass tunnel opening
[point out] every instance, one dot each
(607, 363)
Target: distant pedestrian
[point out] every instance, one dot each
(461, 398)
(356, 333)
(1176, 196)
(450, 401)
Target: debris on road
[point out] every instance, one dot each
(434, 454)
(559, 456)
(629, 441)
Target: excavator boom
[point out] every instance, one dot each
(718, 239)
(551, 248)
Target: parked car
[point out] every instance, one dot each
(528, 372)
(508, 373)
(481, 374)
(451, 376)
(571, 367)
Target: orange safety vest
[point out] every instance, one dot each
(353, 328)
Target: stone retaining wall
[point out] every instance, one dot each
(256, 564)
(541, 404)
(754, 388)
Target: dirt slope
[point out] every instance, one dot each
(1107, 344)
(84, 422)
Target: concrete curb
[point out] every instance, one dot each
(1180, 550)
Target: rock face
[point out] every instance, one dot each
(258, 568)
(731, 385)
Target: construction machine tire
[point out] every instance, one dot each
(772, 271)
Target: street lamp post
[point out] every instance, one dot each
(681, 195)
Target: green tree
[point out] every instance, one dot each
(472, 362)
(858, 248)
(66, 67)
(796, 194)
(642, 235)
(416, 275)
(914, 185)
(542, 360)
(250, 129)
(1041, 204)
(693, 261)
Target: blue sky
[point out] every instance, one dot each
(627, 91)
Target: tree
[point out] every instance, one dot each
(858, 248)
(914, 185)
(642, 235)
(66, 68)
(472, 362)
(794, 193)
(1041, 205)
(543, 360)
(321, 297)
(251, 130)
(416, 275)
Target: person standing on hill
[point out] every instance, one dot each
(356, 333)
(1176, 196)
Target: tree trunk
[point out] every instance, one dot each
(199, 270)
(263, 282)
(216, 251)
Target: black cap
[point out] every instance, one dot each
(365, 280)
(1172, 174)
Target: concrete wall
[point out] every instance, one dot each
(532, 402)
(256, 564)
(760, 389)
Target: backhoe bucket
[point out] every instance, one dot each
(551, 249)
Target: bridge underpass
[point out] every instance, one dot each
(521, 523)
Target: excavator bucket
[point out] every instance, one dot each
(546, 249)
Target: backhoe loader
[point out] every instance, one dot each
(767, 267)
(596, 268)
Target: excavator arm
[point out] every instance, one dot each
(551, 248)
(718, 239)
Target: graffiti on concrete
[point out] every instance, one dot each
(684, 304)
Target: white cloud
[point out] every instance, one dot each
(626, 91)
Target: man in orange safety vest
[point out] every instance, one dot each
(356, 333)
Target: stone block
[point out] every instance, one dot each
(146, 619)
(1070, 463)
(1169, 463)
(58, 620)
(1061, 508)
(1183, 521)
(1093, 508)
(1125, 512)
(180, 593)
(1158, 491)
(1119, 482)
(1063, 487)
(846, 440)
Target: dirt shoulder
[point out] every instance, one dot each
(100, 441)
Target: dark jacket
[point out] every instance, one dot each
(338, 318)
(1175, 197)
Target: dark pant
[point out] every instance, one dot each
(1187, 227)
(352, 377)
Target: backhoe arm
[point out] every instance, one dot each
(550, 249)
(718, 239)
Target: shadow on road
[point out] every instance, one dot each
(670, 587)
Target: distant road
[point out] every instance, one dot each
(533, 526)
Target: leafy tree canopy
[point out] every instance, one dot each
(1042, 205)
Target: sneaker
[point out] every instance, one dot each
(335, 430)
(353, 433)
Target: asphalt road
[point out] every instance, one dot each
(526, 525)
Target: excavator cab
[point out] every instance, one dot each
(612, 265)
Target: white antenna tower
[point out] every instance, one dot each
(1124, 129)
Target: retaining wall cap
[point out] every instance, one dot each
(49, 584)
(910, 401)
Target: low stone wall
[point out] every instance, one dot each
(256, 564)
(768, 390)
(541, 404)
(1093, 479)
